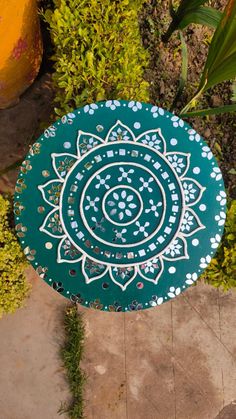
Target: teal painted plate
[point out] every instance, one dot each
(120, 205)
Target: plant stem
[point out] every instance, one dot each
(172, 27)
(210, 111)
(192, 101)
(171, 9)
(184, 71)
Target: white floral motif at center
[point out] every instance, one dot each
(124, 207)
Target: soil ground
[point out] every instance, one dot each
(163, 73)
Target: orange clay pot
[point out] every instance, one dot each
(20, 48)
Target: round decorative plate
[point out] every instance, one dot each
(120, 205)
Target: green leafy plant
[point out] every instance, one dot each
(98, 52)
(222, 269)
(13, 285)
(221, 61)
(71, 354)
(191, 11)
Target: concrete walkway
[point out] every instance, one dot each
(32, 380)
(175, 361)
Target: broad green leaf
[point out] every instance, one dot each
(225, 70)
(186, 6)
(221, 59)
(203, 16)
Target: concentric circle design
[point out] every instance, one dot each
(128, 218)
(145, 237)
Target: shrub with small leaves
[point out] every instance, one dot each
(98, 52)
(13, 285)
(222, 269)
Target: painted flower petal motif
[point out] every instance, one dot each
(173, 292)
(177, 122)
(90, 109)
(93, 270)
(58, 286)
(135, 306)
(177, 250)
(179, 161)
(216, 174)
(220, 218)
(68, 118)
(62, 163)
(222, 198)
(67, 252)
(154, 139)
(156, 301)
(190, 223)
(135, 106)
(191, 278)
(123, 276)
(215, 241)
(156, 111)
(87, 141)
(52, 224)
(112, 104)
(120, 132)
(204, 261)
(192, 191)
(51, 192)
(42, 271)
(50, 132)
(151, 270)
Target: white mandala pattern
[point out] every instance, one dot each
(122, 204)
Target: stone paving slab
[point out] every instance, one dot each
(32, 381)
(175, 361)
(178, 360)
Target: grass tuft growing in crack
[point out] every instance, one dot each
(71, 354)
